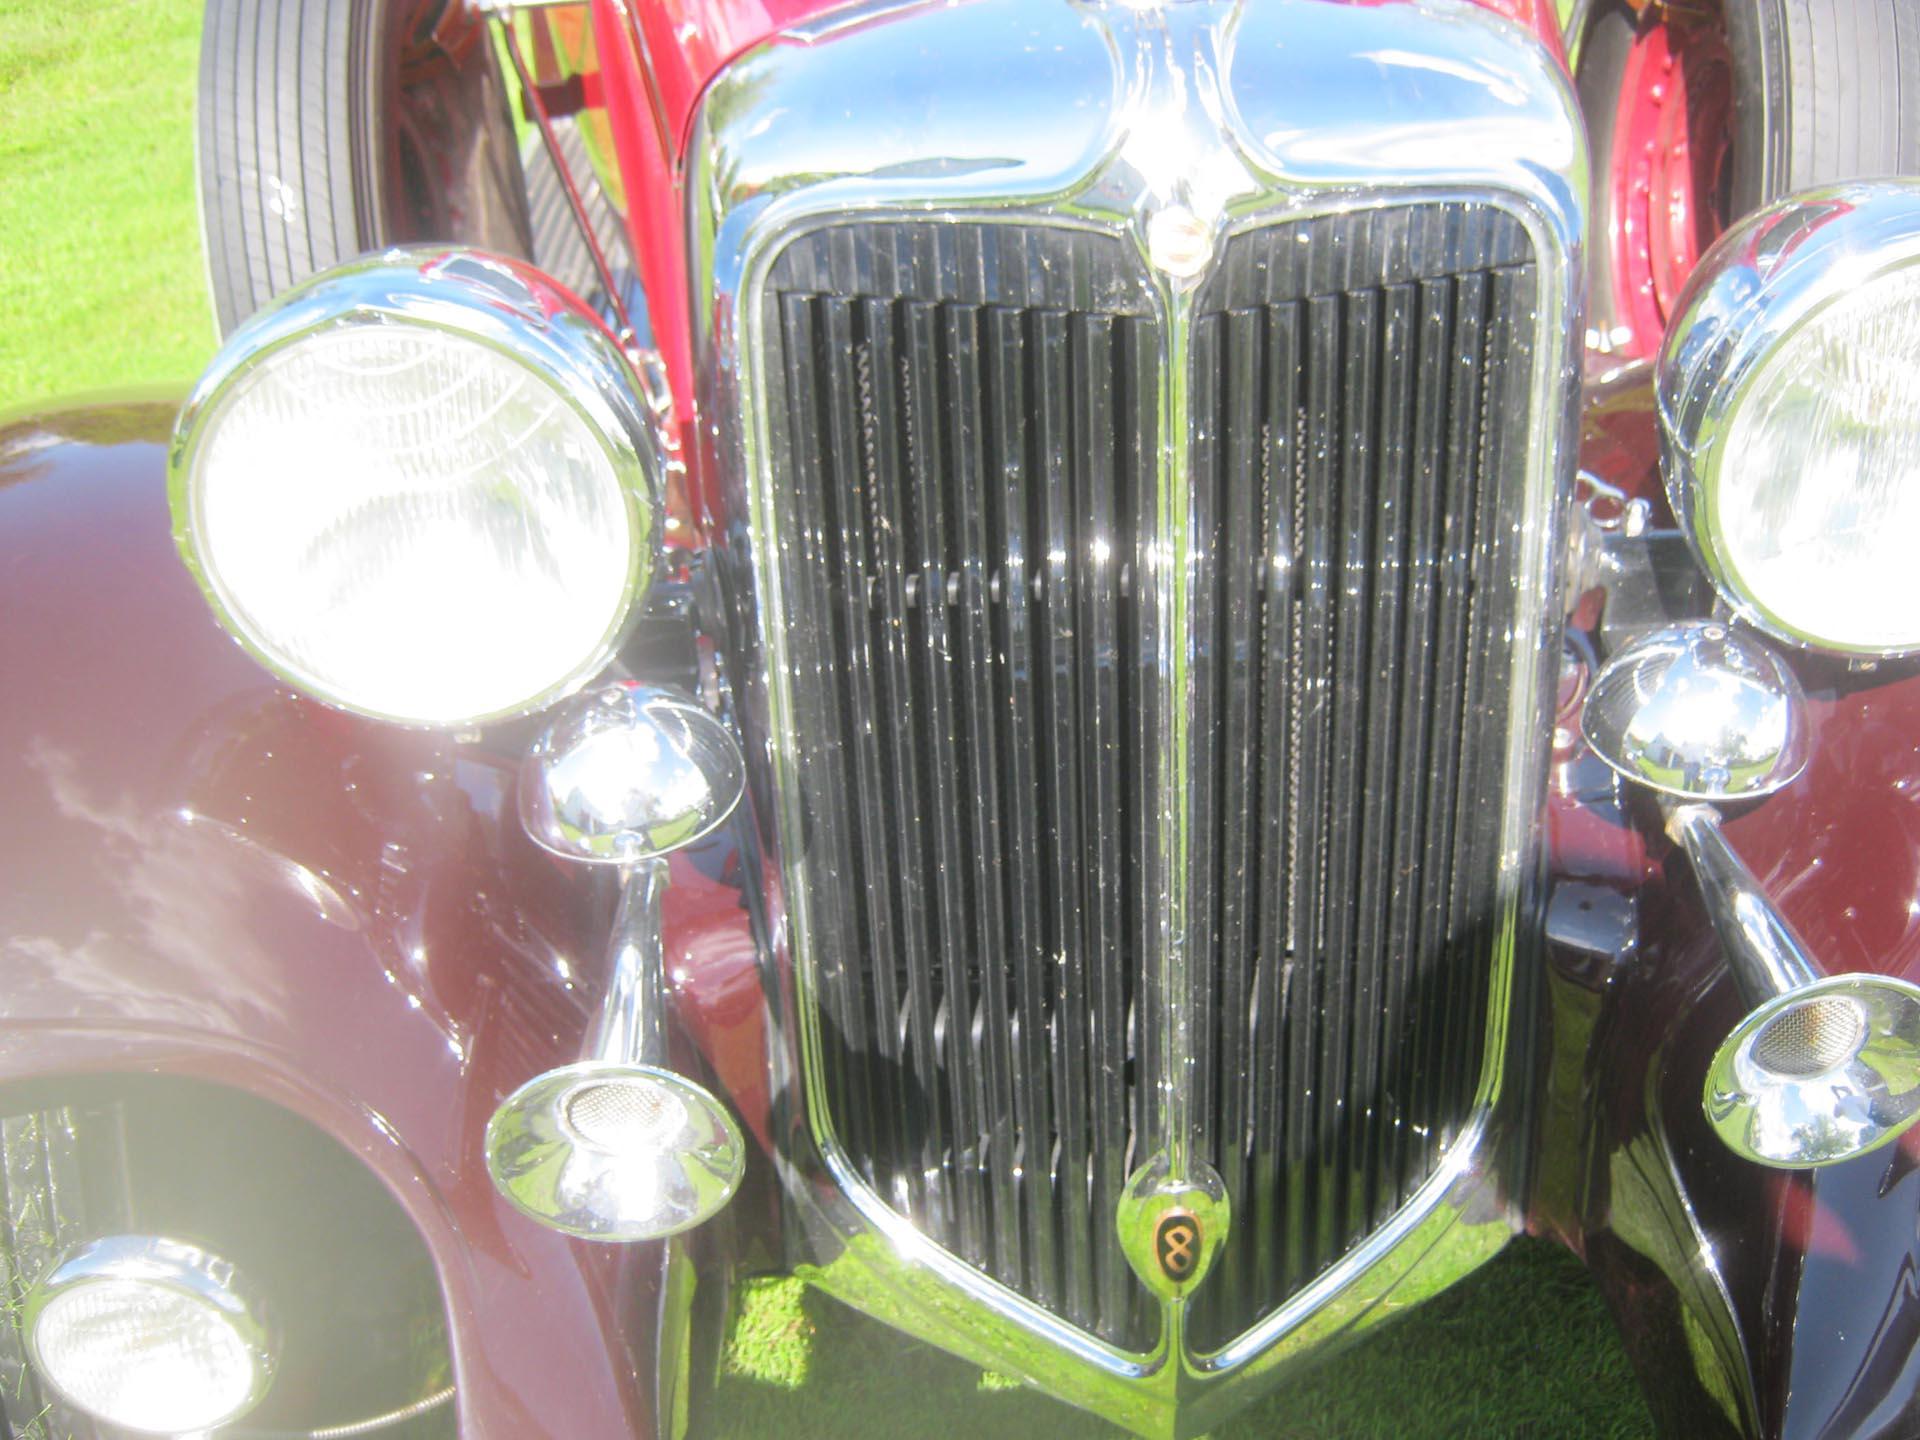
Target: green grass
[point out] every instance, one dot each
(1522, 1348)
(102, 285)
(101, 279)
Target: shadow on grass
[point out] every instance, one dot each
(1524, 1347)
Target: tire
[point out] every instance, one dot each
(1825, 90)
(1597, 80)
(1815, 92)
(328, 128)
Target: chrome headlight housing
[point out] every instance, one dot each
(422, 487)
(1789, 393)
(150, 1334)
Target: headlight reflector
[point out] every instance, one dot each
(1790, 407)
(421, 488)
(149, 1334)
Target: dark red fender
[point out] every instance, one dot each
(1752, 1300)
(207, 875)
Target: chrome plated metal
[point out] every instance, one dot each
(629, 773)
(507, 9)
(1172, 1227)
(615, 1152)
(1824, 1067)
(1700, 711)
(631, 1025)
(374, 1424)
(1768, 960)
(499, 303)
(1224, 119)
(163, 1264)
(1767, 276)
(618, 1147)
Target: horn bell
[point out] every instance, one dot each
(1824, 1072)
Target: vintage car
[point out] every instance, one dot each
(1025, 657)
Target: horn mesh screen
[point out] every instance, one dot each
(1812, 1038)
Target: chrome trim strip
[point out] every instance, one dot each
(1283, 111)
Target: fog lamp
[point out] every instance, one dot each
(149, 1334)
(422, 487)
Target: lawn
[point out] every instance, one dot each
(102, 285)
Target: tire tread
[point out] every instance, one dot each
(276, 146)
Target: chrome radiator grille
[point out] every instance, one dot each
(963, 443)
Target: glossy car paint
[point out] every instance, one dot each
(1752, 1301)
(210, 876)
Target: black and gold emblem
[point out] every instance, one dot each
(1176, 1245)
(1171, 1229)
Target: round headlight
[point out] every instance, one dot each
(1789, 392)
(149, 1334)
(421, 487)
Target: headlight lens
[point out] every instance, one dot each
(419, 489)
(1790, 394)
(149, 1334)
(1821, 497)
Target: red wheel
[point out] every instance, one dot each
(1671, 178)
(1700, 112)
(1663, 182)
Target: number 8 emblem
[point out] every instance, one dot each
(1176, 1244)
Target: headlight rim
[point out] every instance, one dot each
(565, 347)
(177, 1266)
(1762, 284)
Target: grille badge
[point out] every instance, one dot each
(1171, 1227)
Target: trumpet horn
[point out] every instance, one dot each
(1822, 1067)
(617, 1146)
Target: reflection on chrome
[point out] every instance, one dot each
(1215, 122)
(1789, 399)
(1701, 712)
(618, 1147)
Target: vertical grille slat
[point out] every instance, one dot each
(1379, 882)
(1316, 491)
(1072, 1036)
(965, 478)
(1273, 1147)
(1096, 552)
(1013, 497)
(946, 808)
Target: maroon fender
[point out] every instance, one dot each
(1753, 1301)
(208, 875)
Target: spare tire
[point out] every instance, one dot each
(332, 127)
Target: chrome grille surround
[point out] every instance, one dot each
(1243, 118)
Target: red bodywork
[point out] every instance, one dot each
(210, 876)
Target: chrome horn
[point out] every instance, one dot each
(1823, 1067)
(617, 1146)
